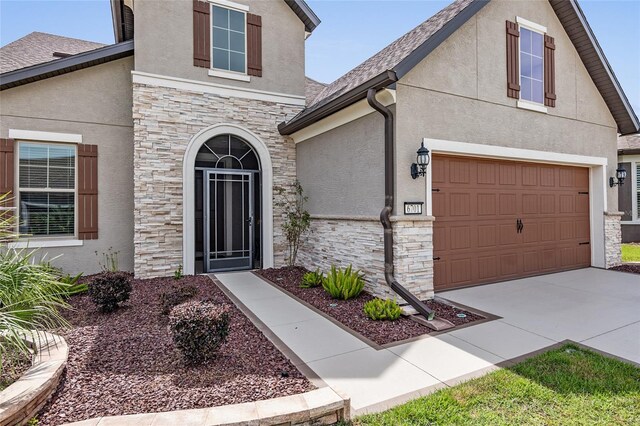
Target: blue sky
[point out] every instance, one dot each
(350, 32)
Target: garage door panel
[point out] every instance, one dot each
(477, 203)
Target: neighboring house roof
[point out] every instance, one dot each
(394, 61)
(629, 144)
(312, 88)
(36, 48)
(64, 65)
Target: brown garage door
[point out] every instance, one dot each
(499, 220)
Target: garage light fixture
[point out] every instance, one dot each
(419, 168)
(621, 175)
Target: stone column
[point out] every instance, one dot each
(413, 254)
(612, 239)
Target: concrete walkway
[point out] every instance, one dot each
(595, 307)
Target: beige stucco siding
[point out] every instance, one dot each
(458, 93)
(96, 103)
(164, 44)
(342, 170)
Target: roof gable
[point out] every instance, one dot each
(398, 58)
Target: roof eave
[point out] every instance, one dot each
(354, 95)
(305, 13)
(65, 65)
(633, 151)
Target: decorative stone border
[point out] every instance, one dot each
(24, 398)
(318, 407)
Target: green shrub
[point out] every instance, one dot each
(382, 310)
(75, 287)
(109, 289)
(176, 296)
(312, 279)
(177, 274)
(198, 329)
(343, 283)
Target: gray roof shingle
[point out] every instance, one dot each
(627, 143)
(312, 88)
(37, 48)
(392, 55)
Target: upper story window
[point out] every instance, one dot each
(46, 189)
(531, 65)
(229, 39)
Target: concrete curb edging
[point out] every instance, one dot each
(25, 397)
(318, 407)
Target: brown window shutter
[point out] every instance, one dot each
(88, 192)
(549, 71)
(513, 70)
(7, 175)
(254, 45)
(201, 34)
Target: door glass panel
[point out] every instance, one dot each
(230, 220)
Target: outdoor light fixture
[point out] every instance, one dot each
(422, 161)
(621, 175)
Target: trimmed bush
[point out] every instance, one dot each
(312, 279)
(343, 283)
(176, 296)
(382, 310)
(198, 329)
(109, 289)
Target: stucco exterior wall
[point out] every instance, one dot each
(164, 44)
(166, 120)
(342, 170)
(459, 93)
(96, 103)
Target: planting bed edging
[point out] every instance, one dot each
(318, 407)
(25, 397)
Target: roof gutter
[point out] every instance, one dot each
(385, 214)
(352, 96)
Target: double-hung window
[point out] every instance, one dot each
(46, 189)
(229, 39)
(531, 65)
(637, 191)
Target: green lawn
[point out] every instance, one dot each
(631, 252)
(566, 386)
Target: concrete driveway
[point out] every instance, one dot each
(595, 307)
(598, 308)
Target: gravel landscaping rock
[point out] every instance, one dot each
(14, 365)
(125, 362)
(351, 314)
(634, 268)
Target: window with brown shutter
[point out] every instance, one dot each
(549, 71)
(201, 34)
(513, 51)
(88, 192)
(7, 179)
(254, 45)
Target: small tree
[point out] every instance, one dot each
(297, 220)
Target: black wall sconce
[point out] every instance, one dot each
(621, 175)
(419, 168)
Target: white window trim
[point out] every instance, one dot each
(34, 135)
(215, 72)
(523, 103)
(634, 160)
(45, 241)
(218, 72)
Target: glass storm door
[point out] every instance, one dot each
(229, 220)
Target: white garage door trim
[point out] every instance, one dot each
(597, 179)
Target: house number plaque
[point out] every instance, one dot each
(413, 207)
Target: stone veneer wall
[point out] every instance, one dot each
(358, 241)
(165, 120)
(612, 239)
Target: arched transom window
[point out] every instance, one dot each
(227, 152)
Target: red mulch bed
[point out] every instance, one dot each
(634, 268)
(351, 314)
(13, 366)
(125, 362)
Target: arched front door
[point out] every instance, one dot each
(228, 205)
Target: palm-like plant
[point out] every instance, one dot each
(31, 292)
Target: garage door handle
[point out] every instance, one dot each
(519, 226)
